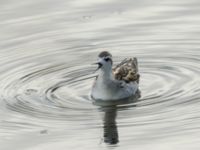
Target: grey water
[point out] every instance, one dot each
(46, 51)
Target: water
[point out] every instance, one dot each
(47, 48)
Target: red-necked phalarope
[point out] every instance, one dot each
(115, 83)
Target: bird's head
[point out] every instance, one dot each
(104, 61)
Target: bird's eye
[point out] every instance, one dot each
(107, 59)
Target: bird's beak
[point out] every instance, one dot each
(99, 65)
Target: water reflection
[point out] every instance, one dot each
(110, 109)
(110, 125)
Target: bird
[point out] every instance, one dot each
(115, 83)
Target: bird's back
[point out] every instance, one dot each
(127, 70)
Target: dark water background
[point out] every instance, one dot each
(46, 51)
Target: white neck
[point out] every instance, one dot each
(105, 75)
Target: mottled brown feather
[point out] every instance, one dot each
(127, 70)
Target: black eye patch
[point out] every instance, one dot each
(107, 59)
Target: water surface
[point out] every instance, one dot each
(46, 51)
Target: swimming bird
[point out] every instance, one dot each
(115, 83)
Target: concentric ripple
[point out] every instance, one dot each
(46, 74)
(171, 79)
(31, 87)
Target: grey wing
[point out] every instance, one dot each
(127, 70)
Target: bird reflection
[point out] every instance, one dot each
(110, 110)
(110, 126)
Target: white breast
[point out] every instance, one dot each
(112, 90)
